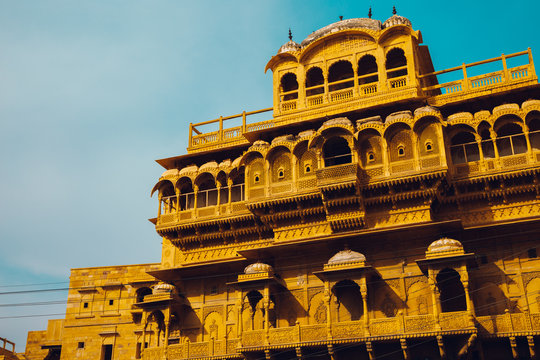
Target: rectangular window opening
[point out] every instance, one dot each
(111, 302)
(532, 253)
(80, 345)
(85, 305)
(106, 352)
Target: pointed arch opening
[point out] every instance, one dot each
(464, 148)
(340, 75)
(187, 196)
(396, 63)
(349, 300)
(511, 140)
(336, 151)
(314, 81)
(289, 87)
(367, 70)
(452, 293)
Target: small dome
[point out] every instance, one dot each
(397, 20)
(209, 166)
(189, 170)
(444, 245)
(346, 256)
(288, 137)
(258, 268)
(163, 288)
(360, 23)
(338, 121)
(171, 173)
(289, 46)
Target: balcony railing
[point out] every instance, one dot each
(206, 204)
(512, 152)
(466, 85)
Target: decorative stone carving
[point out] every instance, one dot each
(258, 268)
(444, 247)
(345, 257)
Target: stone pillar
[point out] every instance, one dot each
(195, 193)
(405, 349)
(365, 309)
(513, 345)
(327, 299)
(530, 342)
(493, 136)
(416, 155)
(385, 157)
(440, 344)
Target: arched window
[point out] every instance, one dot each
(314, 81)
(534, 130)
(237, 189)
(142, 292)
(187, 197)
(452, 296)
(511, 140)
(487, 144)
(349, 299)
(367, 70)
(336, 151)
(464, 148)
(339, 71)
(289, 87)
(396, 63)
(207, 194)
(168, 197)
(224, 188)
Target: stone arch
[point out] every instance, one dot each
(306, 159)
(488, 148)
(336, 151)
(370, 148)
(510, 137)
(367, 69)
(452, 292)
(340, 70)
(253, 311)
(187, 196)
(141, 293)
(280, 161)
(314, 80)
(399, 140)
(207, 190)
(533, 123)
(155, 327)
(427, 130)
(289, 86)
(317, 308)
(396, 59)
(348, 300)
(237, 177)
(255, 175)
(463, 146)
(419, 299)
(213, 326)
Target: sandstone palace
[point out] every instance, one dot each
(377, 213)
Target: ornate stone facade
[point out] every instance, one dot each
(377, 214)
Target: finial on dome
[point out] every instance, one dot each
(369, 13)
(290, 34)
(340, 17)
(394, 12)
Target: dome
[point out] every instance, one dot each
(345, 257)
(338, 121)
(258, 268)
(397, 20)
(359, 23)
(163, 288)
(171, 173)
(289, 46)
(209, 166)
(444, 246)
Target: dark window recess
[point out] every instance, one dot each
(85, 305)
(80, 345)
(483, 259)
(532, 253)
(106, 352)
(111, 302)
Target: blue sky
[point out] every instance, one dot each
(92, 92)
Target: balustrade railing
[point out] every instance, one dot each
(485, 81)
(206, 204)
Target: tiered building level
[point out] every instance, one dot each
(377, 213)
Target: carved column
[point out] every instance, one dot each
(513, 345)
(416, 155)
(266, 304)
(364, 293)
(355, 75)
(405, 349)
(493, 136)
(195, 193)
(527, 139)
(294, 172)
(381, 60)
(530, 342)
(218, 201)
(440, 344)
(434, 298)
(369, 349)
(229, 189)
(385, 157)
(160, 197)
(327, 299)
